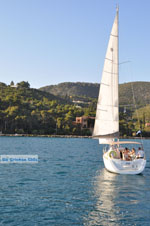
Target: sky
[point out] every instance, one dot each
(46, 42)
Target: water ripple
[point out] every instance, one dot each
(69, 186)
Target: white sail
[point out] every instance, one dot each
(107, 114)
(106, 127)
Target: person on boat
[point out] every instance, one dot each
(132, 153)
(118, 153)
(126, 156)
(140, 154)
(121, 154)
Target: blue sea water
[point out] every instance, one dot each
(69, 186)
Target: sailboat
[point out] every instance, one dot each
(117, 157)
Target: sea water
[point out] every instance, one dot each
(69, 185)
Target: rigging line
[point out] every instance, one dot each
(130, 105)
(125, 62)
(134, 102)
(137, 115)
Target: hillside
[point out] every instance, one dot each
(27, 110)
(26, 94)
(141, 91)
(30, 111)
(73, 89)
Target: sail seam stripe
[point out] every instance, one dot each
(107, 120)
(110, 60)
(110, 73)
(116, 36)
(107, 105)
(102, 110)
(105, 84)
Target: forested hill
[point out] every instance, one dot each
(25, 94)
(24, 110)
(27, 110)
(73, 89)
(140, 90)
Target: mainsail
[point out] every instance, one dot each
(107, 114)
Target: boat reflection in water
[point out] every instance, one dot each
(118, 199)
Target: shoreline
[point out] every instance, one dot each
(50, 136)
(61, 136)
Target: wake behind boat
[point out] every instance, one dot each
(106, 127)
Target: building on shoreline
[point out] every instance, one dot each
(86, 122)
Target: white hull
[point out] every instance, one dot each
(119, 166)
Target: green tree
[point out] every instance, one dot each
(12, 83)
(23, 84)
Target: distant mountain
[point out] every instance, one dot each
(128, 92)
(73, 89)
